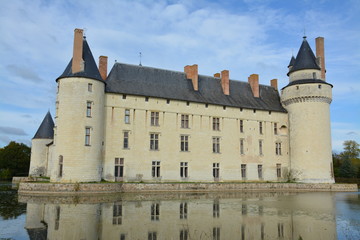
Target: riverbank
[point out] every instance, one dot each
(93, 188)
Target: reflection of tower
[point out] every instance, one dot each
(35, 225)
(79, 123)
(73, 221)
(307, 99)
(40, 147)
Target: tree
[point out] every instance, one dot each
(351, 149)
(16, 158)
(347, 169)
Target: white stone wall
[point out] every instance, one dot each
(305, 74)
(80, 163)
(200, 157)
(39, 157)
(310, 138)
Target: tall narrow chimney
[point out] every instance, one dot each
(254, 84)
(192, 73)
(103, 66)
(274, 83)
(225, 82)
(320, 54)
(77, 60)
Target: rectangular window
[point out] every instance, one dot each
(183, 169)
(216, 233)
(184, 143)
(216, 170)
(216, 124)
(184, 121)
(242, 231)
(183, 210)
(216, 209)
(154, 119)
(90, 87)
(216, 144)
(155, 212)
(275, 129)
(155, 170)
(154, 141)
(117, 214)
(87, 136)
(88, 108)
(280, 230)
(60, 166)
(184, 234)
(278, 170)
(242, 146)
(127, 116)
(243, 171)
(260, 173)
(119, 169)
(57, 218)
(261, 127)
(260, 147)
(278, 148)
(126, 140)
(241, 126)
(152, 235)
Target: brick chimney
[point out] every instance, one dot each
(217, 75)
(103, 66)
(254, 84)
(192, 73)
(320, 54)
(77, 60)
(274, 83)
(225, 82)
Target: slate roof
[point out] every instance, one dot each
(305, 59)
(90, 70)
(306, 81)
(292, 61)
(46, 129)
(160, 83)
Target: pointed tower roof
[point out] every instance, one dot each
(46, 129)
(305, 59)
(292, 62)
(90, 68)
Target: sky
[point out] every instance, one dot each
(242, 36)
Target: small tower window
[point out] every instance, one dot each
(124, 96)
(319, 86)
(90, 87)
(88, 109)
(61, 166)
(314, 75)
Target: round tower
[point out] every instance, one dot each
(79, 119)
(307, 99)
(40, 147)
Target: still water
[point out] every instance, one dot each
(225, 215)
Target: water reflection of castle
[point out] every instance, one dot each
(183, 216)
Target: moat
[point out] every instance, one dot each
(181, 215)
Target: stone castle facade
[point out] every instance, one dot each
(143, 124)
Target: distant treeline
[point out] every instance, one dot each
(14, 160)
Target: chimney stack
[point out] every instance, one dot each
(320, 54)
(254, 84)
(192, 73)
(77, 60)
(274, 83)
(225, 82)
(103, 66)
(217, 75)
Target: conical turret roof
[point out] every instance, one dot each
(46, 129)
(292, 61)
(305, 59)
(90, 68)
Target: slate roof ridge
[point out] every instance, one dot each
(46, 128)
(176, 71)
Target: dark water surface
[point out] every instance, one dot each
(224, 215)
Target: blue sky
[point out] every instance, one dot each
(245, 37)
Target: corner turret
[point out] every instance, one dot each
(307, 99)
(40, 147)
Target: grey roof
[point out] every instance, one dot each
(153, 82)
(90, 69)
(292, 61)
(306, 81)
(305, 59)
(46, 129)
